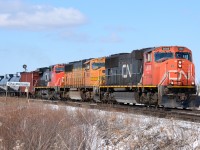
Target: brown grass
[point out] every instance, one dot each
(30, 126)
(34, 126)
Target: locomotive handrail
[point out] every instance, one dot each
(164, 78)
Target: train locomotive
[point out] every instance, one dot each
(159, 76)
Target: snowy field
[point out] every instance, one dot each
(52, 127)
(115, 130)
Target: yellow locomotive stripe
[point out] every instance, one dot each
(126, 86)
(48, 87)
(146, 86)
(183, 86)
(42, 87)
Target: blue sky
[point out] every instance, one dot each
(41, 33)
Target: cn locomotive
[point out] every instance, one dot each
(152, 76)
(159, 76)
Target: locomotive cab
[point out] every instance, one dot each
(172, 71)
(95, 72)
(94, 77)
(57, 76)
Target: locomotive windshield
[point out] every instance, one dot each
(184, 55)
(163, 56)
(97, 65)
(58, 70)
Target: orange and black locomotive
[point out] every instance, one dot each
(160, 76)
(153, 76)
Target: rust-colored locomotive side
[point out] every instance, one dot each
(31, 77)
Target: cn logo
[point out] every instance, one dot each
(179, 76)
(126, 71)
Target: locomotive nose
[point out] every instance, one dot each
(182, 74)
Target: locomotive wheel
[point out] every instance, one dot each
(144, 98)
(154, 99)
(137, 97)
(83, 96)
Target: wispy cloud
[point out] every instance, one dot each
(39, 16)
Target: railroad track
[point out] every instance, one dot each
(160, 112)
(179, 114)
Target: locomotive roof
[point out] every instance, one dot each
(143, 50)
(83, 60)
(114, 55)
(43, 68)
(25, 72)
(56, 64)
(149, 49)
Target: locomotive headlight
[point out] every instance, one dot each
(193, 83)
(172, 82)
(179, 63)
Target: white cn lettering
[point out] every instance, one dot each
(126, 71)
(180, 74)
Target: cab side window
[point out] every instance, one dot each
(87, 66)
(46, 77)
(148, 57)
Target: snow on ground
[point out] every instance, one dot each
(114, 130)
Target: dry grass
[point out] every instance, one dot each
(30, 126)
(33, 126)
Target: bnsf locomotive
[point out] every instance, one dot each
(161, 76)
